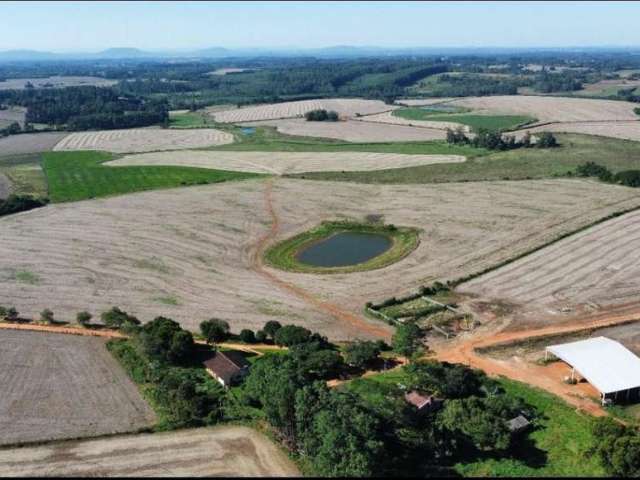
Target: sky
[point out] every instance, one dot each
(92, 26)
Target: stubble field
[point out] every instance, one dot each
(353, 131)
(347, 107)
(280, 163)
(231, 451)
(30, 143)
(190, 254)
(64, 386)
(143, 140)
(626, 130)
(594, 269)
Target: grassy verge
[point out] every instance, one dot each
(562, 439)
(476, 122)
(80, 175)
(25, 174)
(283, 255)
(519, 164)
(189, 120)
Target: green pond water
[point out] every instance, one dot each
(344, 249)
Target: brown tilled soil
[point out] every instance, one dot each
(578, 275)
(190, 254)
(347, 107)
(228, 451)
(286, 162)
(57, 386)
(29, 143)
(144, 139)
(352, 131)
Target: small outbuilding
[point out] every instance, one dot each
(607, 365)
(518, 424)
(227, 367)
(423, 403)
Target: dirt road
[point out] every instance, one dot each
(257, 264)
(465, 352)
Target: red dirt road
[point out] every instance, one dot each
(358, 323)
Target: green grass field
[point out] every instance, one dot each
(519, 164)
(74, 176)
(476, 122)
(557, 446)
(189, 120)
(25, 174)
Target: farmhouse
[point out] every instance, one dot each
(423, 403)
(606, 364)
(227, 367)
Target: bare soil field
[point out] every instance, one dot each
(5, 186)
(30, 142)
(144, 140)
(592, 270)
(626, 130)
(346, 107)
(551, 109)
(191, 253)
(352, 131)
(280, 163)
(12, 114)
(388, 118)
(55, 82)
(64, 386)
(228, 451)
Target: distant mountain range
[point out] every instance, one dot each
(339, 51)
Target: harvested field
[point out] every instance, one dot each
(205, 452)
(352, 131)
(280, 163)
(589, 271)
(346, 107)
(5, 186)
(55, 82)
(552, 109)
(29, 143)
(626, 130)
(197, 246)
(389, 119)
(144, 140)
(58, 386)
(12, 114)
(421, 102)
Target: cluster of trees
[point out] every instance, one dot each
(87, 107)
(564, 81)
(628, 178)
(20, 203)
(497, 141)
(466, 85)
(618, 447)
(321, 115)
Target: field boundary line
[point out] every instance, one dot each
(61, 329)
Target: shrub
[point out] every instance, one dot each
(164, 340)
(292, 335)
(321, 115)
(12, 314)
(271, 327)
(3, 311)
(20, 203)
(362, 353)
(629, 178)
(261, 336)
(116, 318)
(592, 169)
(46, 316)
(407, 339)
(83, 318)
(214, 330)
(546, 140)
(247, 336)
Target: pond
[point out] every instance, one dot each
(344, 249)
(248, 130)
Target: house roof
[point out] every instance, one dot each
(226, 364)
(417, 399)
(604, 363)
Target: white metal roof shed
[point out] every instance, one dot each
(606, 364)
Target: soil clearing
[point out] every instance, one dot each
(193, 253)
(352, 131)
(144, 140)
(64, 386)
(280, 163)
(29, 143)
(594, 269)
(346, 107)
(225, 451)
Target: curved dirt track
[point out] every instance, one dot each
(143, 140)
(465, 351)
(224, 451)
(281, 163)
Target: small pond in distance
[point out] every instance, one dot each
(248, 130)
(344, 249)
